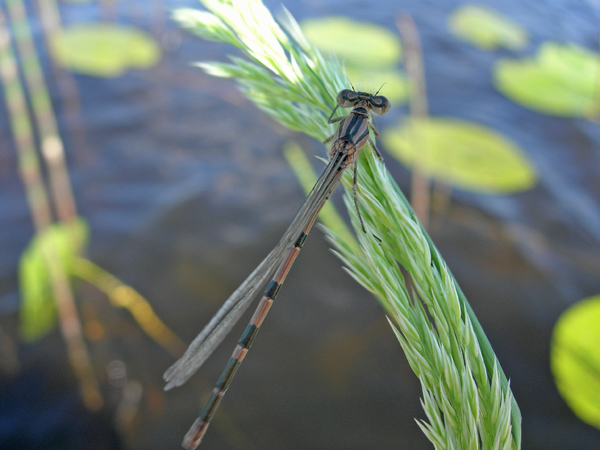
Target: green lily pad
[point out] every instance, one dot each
(38, 307)
(362, 44)
(461, 153)
(391, 82)
(486, 29)
(370, 53)
(575, 358)
(561, 80)
(104, 50)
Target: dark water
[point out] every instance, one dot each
(185, 189)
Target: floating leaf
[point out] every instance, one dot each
(104, 50)
(575, 358)
(38, 310)
(370, 53)
(461, 153)
(486, 29)
(392, 83)
(355, 43)
(562, 80)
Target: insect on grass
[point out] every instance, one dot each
(352, 133)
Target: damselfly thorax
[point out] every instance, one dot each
(353, 131)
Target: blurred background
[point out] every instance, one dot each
(175, 187)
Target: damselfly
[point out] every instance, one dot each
(351, 136)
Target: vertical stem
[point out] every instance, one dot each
(29, 167)
(51, 142)
(49, 15)
(413, 61)
(37, 198)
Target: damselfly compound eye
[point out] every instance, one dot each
(347, 98)
(380, 105)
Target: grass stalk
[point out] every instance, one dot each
(466, 396)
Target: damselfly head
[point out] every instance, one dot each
(348, 98)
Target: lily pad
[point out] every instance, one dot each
(356, 43)
(391, 82)
(370, 53)
(461, 153)
(486, 28)
(561, 80)
(104, 50)
(38, 307)
(575, 358)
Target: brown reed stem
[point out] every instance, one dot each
(31, 174)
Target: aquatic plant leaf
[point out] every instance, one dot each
(575, 358)
(360, 44)
(461, 153)
(486, 28)
(38, 308)
(392, 83)
(370, 53)
(561, 80)
(104, 50)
